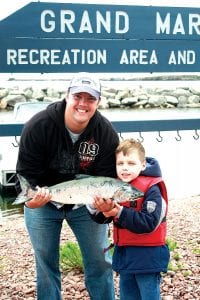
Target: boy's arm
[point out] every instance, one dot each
(97, 216)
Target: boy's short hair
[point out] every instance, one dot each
(128, 145)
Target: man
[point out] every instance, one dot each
(69, 137)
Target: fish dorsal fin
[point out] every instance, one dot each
(81, 176)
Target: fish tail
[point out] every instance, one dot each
(23, 195)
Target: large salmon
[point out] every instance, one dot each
(82, 190)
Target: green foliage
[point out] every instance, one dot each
(175, 263)
(171, 244)
(70, 257)
(172, 266)
(187, 273)
(196, 251)
(1, 263)
(176, 256)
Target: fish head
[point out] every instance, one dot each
(127, 192)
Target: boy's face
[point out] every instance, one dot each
(129, 166)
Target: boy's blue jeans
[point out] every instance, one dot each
(44, 227)
(140, 286)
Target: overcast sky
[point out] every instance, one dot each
(7, 7)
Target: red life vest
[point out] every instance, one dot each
(124, 237)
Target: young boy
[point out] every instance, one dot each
(140, 252)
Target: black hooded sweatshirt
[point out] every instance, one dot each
(47, 155)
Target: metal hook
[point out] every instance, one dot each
(16, 144)
(121, 137)
(196, 136)
(141, 139)
(178, 137)
(160, 138)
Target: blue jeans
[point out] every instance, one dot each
(140, 286)
(44, 227)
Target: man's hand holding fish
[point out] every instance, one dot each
(42, 197)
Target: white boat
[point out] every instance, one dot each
(23, 111)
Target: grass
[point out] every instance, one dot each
(176, 264)
(196, 251)
(171, 244)
(70, 257)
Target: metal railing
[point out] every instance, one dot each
(122, 127)
(15, 129)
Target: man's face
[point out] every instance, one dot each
(80, 109)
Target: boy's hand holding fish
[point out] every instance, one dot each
(108, 207)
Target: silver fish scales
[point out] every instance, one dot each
(82, 190)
